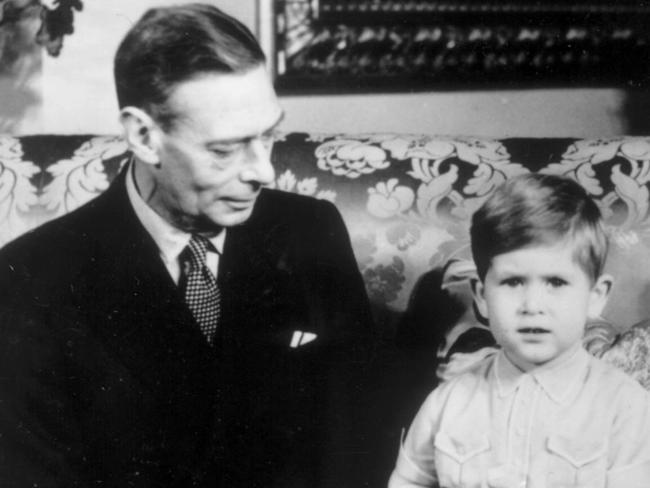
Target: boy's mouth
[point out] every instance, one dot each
(532, 330)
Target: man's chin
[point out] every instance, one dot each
(231, 219)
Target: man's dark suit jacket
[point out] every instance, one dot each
(105, 379)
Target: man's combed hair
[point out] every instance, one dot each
(169, 45)
(537, 209)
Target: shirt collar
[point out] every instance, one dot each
(557, 378)
(170, 240)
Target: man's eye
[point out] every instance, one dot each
(268, 139)
(223, 151)
(512, 282)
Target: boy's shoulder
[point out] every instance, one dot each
(465, 371)
(613, 378)
(461, 363)
(469, 385)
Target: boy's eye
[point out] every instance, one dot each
(556, 282)
(512, 282)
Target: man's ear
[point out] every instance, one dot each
(141, 133)
(599, 294)
(478, 290)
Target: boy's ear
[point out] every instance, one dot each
(599, 295)
(141, 133)
(478, 290)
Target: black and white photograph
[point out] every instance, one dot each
(324, 244)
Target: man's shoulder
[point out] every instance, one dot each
(36, 263)
(63, 239)
(281, 198)
(46, 238)
(286, 206)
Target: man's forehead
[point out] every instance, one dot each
(232, 105)
(241, 135)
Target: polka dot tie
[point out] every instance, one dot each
(200, 286)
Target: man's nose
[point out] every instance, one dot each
(258, 164)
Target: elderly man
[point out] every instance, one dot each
(188, 327)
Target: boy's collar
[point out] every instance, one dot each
(558, 379)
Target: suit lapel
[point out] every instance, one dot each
(142, 317)
(262, 282)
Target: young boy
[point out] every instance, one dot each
(541, 412)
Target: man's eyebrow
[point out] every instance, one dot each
(248, 138)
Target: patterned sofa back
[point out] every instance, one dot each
(406, 199)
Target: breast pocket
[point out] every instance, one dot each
(461, 459)
(576, 462)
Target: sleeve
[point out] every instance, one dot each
(347, 309)
(629, 464)
(340, 311)
(339, 305)
(37, 432)
(415, 466)
(39, 438)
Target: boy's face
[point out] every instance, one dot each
(537, 300)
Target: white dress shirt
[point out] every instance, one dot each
(574, 423)
(170, 240)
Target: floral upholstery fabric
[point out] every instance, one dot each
(406, 199)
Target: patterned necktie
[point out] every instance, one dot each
(200, 286)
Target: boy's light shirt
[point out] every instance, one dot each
(571, 423)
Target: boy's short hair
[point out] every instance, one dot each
(535, 209)
(170, 45)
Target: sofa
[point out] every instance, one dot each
(406, 200)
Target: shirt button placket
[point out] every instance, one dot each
(520, 420)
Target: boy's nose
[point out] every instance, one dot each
(532, 299)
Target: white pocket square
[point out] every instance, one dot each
(301, 338)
